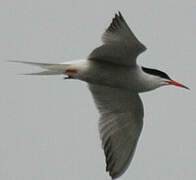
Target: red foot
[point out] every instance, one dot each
(72, 71)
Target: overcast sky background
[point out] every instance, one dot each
(48, 126)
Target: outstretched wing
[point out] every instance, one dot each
(120, 125)
(120, 45)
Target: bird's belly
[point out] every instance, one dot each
(112, 75)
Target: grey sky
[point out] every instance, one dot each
(49, 126)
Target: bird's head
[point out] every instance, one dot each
(162, 78)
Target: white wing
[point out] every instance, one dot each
(120, 125)
(120, 44)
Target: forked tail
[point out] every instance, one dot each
(50, 69)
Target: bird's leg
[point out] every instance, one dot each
(70, 73)
(68, 77)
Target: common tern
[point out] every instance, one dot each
(115, 80)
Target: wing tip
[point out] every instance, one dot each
(116, 22)
(114, 175)
(120, 15)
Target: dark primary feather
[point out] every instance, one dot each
(120, 125)
(116, 23)
(119, 26)
(120, 45)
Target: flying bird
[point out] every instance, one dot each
(115, 81)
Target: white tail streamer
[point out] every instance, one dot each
(51, 69)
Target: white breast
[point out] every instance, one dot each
(102, 73)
